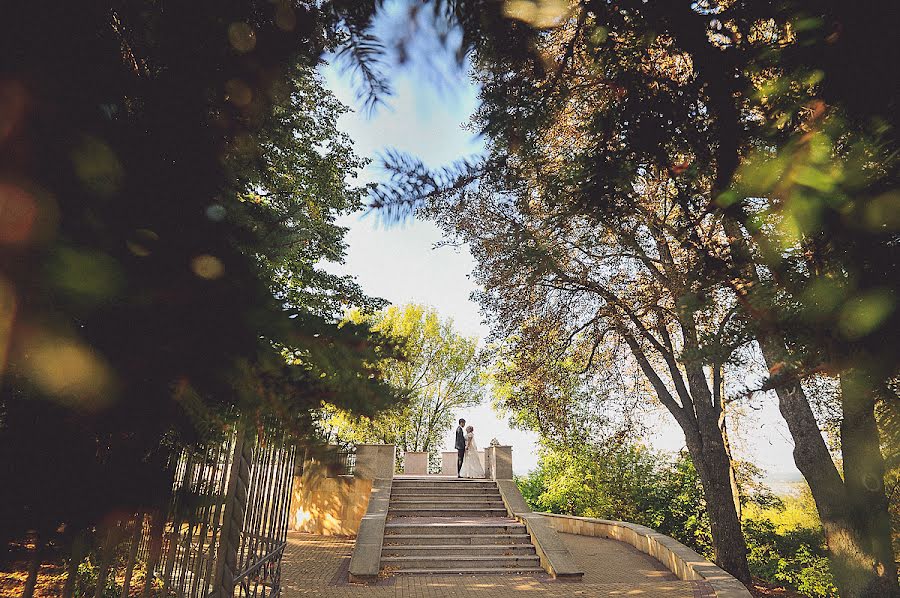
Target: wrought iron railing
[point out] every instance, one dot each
(346, 462)
(224, 533)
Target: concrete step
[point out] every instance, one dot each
(446, 512)
(465, 493)
(399, 527)
(456, 539)
(442, 563)
(447, 491)
(471, 571)
(453, 550)
(441, 480)
(444, 485)
(437, 503)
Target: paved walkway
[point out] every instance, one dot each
(317, 566)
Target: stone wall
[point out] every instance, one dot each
(335, 506)
(675, 556)
(329, 506)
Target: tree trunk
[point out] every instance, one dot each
(714, 467)
(79, 549)
(702, 422)
(859, 547)
(34, 566)
(873, 571)
(849, 523)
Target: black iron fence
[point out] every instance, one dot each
(345, 463)
(224, 533)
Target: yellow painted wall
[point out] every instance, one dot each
(329, 506)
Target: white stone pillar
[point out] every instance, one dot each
(489, 462)
(375, 461)
(502, 463)
(415, 463)
(448, 463)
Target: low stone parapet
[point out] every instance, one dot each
(449, 463)
(365, 562)
(554, 556)
(415, 463)
(374, 462)
(328, 506)
(675, 556)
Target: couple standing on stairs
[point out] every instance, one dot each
(468, 464)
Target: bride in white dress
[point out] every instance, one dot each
(471, 467)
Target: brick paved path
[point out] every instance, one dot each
(317, 566)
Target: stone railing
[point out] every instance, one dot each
(497, 462)
(375, 462)
(675, 556)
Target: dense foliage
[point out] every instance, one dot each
(626, 483)
(169, 180)
(693, 180)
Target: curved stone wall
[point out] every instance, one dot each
(678, 558)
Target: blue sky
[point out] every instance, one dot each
(400, 263)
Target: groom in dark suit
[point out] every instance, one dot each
(460, 445)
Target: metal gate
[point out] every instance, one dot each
(223, 535)
(254, 533)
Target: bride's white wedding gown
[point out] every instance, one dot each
(471, 467)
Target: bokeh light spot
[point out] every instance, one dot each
(7, 318)
(285, 17)
(242, 37)
(12, 106)
(142, 242)
(238, 93)
(823, 296)
(18, 214)
(97, 166)
(883, 212)
(207, 266)
(216, 212)
(540, 14)
(864, 313)
(69, 371)
(85, 275)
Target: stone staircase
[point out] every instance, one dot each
(450, 525)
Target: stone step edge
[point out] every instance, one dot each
(455, 499)
(455, 509)
(469, 571)
(394, 524)
(438, 504)
(455, 546)
(454, 536)
(467, 494)
(461, 495)
(429, 484)
(474, 559)
(457, 485)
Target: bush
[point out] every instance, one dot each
(629, 483)
(786, 545)
(86, 581)
(785, 541)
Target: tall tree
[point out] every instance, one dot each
(439, 373)
(771, 119)
(623, 285)
(139, 313)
